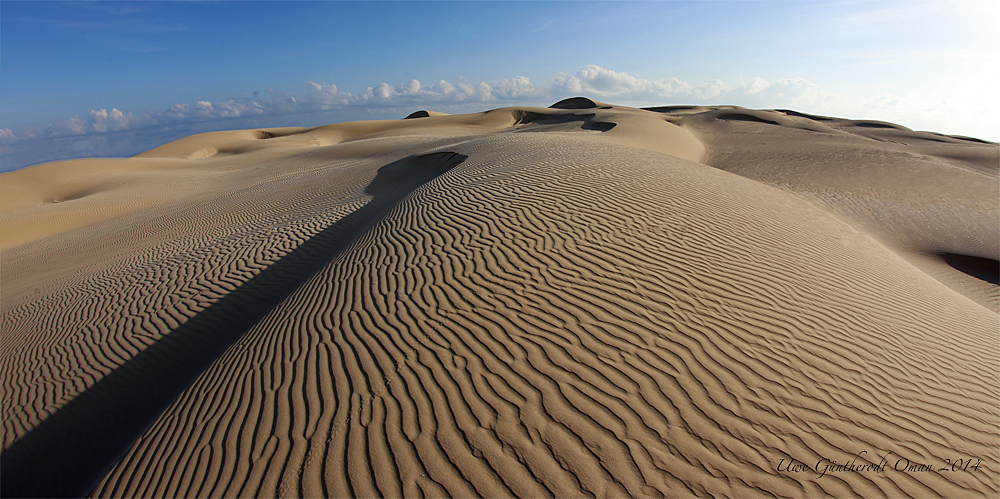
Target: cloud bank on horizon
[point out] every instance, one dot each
(119, 133)
(117, 78)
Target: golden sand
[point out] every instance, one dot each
(583, 300)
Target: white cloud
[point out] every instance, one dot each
(513, 88)
(103, 121)
(757, 92)
(324, 97)
(317, 97)
(709, 91)
(606, 83)
(91, 135)
(273, 106)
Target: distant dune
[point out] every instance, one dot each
(581, 300)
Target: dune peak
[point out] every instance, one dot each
(424, 114)
(578, 103)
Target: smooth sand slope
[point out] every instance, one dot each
(583, 300)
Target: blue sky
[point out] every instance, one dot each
(116, 78)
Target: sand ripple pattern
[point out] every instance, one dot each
(183, 257)
(559, 318)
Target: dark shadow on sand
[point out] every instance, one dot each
(68, 453)
(978, 267)
(587, 121)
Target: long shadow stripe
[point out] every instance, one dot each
(68, 453)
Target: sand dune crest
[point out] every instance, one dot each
(424, 114)
(579, 103)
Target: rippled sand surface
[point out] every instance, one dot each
(582, 300)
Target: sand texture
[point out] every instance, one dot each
(582, 300)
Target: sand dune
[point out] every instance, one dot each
(582, 300)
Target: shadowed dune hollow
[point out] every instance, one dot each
(580, 300)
